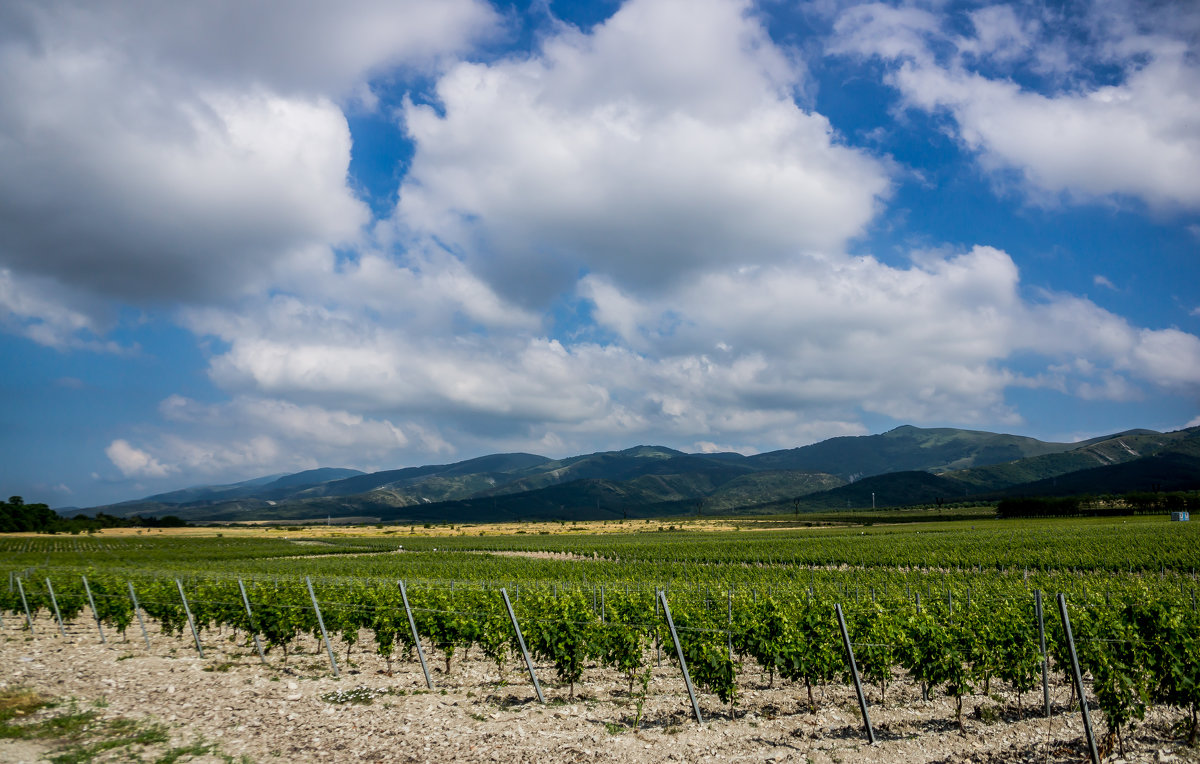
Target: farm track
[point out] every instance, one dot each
(268, 713)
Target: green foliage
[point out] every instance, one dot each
(444, 621)
(1112, 648)
(1172, 645)
(1130, 600)
(621, 642)
(815, 654)
(18, 517)
(703, 642)
(935, 656)
(767, 635)
(560, 630)
(880, 638)
(1038, 506)
(496, 637)
(1019, 656)
(279, 613)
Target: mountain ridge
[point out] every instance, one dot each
(904, 465)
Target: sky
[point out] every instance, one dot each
(239, 239)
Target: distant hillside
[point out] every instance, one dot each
(651, 495)
(895, 489)
(408, 480)
(905, 466)
(772, 485)
(1099, 452)
(904, 449)
(624, 465)
(310, 478)
(209, 492)
(1175, 467)
(1172, 464)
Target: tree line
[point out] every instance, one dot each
(1141, 503)
(18, 517)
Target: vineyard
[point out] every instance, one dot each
(955, 610)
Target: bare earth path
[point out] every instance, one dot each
(267, 713)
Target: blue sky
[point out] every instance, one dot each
(240, 240)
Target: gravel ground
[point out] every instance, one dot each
(271, 713)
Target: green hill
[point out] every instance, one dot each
(498, 466)
(1172, 464)
(905, 466)
(1175, 467)
(904, 449)
(1099, 452)
(625, 465)
(895, 489)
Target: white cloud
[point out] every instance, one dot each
(803, 350)
(911, 344)
(1135, 137)
(254, 435)
(188, 196)
(289, 46)
(653, 177)
(1108, 387)
(1167, 357)
(1103, 281)
(42, 311)
(243, 456)
(665, 141)
(313, 426)
(164, 151)
(933, 340)
(134, 462)
(886, 31)
(999, 34)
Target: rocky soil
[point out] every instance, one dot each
(270, 712)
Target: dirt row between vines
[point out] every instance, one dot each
(266, 713)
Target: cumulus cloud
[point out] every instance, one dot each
(54, 317)
(665, 141)
(254, 435)
(771, 355)
(287, 46)
(935, 339)
(145, 200)
(632, 233)
(134, 462)
(156, 152)
(1132, 137)
(314, 425)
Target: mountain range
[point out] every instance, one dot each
(904, 466)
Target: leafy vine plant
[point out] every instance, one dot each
(1137, 639)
